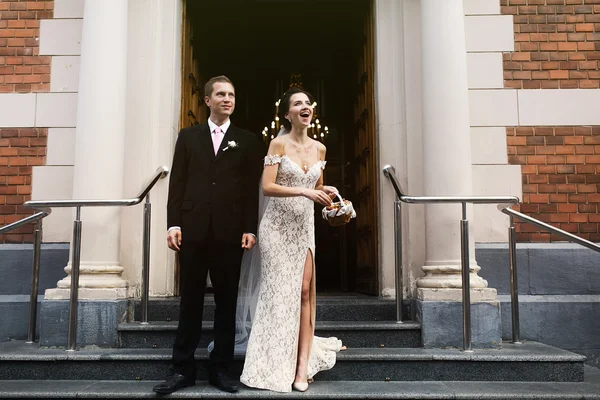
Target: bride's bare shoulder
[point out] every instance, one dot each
(278, 141)
(276, 146)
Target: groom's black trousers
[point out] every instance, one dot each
(197, 259)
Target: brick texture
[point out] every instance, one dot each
(561, 180)
(22, 70)
(557, 44)
(20, 150)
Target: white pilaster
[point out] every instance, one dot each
(391, 130)
(446, 148)
(99, 148)
(153, 98)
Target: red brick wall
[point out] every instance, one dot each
(557, 46)
(561, 178)
(22, 70)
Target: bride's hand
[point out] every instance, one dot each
(331, 191)
(318, 196)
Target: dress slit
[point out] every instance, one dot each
(313, 291)
(311, 300)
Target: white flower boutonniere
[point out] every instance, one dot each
(231, 144)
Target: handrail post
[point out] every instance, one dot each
(73, 303)
(146, 260)
(35, 280)
(398, 258)
(514, 288)
(466, 284)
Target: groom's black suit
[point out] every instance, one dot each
(214, 199)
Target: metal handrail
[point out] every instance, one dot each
(32, 218)
(160, 173)
(35, 269)
(390, 172)
(504, 204)
(548, 227)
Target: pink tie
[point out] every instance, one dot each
(217, 139)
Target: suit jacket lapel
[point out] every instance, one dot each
(229, 136)
(205, 138)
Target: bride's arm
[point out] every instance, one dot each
(269, 187)
(272, 189)
(330, 190)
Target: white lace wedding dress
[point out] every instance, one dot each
(286, 234)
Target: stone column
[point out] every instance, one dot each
(100, 136)
(447, 166)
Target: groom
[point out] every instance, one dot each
(212, 214)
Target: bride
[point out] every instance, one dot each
(282, 350)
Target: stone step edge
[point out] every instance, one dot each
(526, 352)
(320, 325)
(325, 300)
(174, 302)
(319, 389)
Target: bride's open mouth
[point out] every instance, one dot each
(305, 115)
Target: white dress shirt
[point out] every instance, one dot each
(223, 127)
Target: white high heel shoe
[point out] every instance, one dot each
(300, 386)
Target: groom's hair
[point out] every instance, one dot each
(284, 105)
(208, 88)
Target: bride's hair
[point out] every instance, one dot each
(284, 105)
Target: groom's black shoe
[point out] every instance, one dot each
(220, 380)
(174, 383)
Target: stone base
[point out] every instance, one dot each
(15, 285)
(14, 324)
(447, 294)
(109, 293)
(97, 322)
(441, 324)
(569, 322)
(15, 267)
(543, 268)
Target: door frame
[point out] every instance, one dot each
(396, 38)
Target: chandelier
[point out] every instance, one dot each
(315, 130)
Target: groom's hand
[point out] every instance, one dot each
(248, 241)
(174, 239)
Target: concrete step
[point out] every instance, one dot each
(329, 308)
(353, 334)
(527, 362)
(102, 389)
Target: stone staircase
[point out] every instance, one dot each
(384, 360)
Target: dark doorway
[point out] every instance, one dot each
(260, 45)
